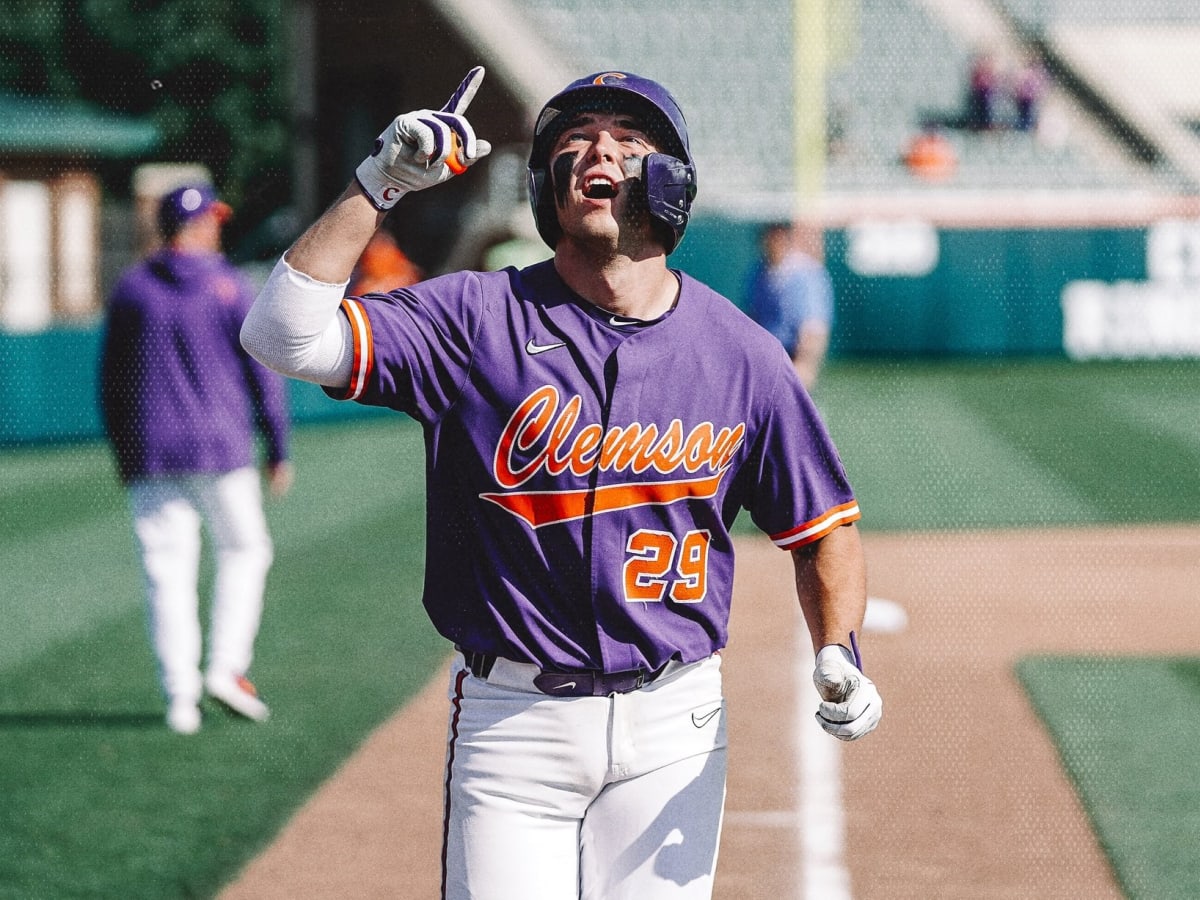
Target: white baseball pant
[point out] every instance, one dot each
(599, 798)
(167, 514)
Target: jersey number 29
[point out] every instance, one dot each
(660, 566)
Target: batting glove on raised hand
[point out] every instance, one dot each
(850, 703)
(423, 148)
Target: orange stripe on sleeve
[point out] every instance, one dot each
(364, 348)
(815, 529)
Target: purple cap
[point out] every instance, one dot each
(186, 202)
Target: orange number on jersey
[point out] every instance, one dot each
(693, 568)
(650, 555)
(652, 559)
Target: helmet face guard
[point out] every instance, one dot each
(668, 177)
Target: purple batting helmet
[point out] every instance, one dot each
(669, 177)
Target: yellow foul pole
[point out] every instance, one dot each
(810, 61)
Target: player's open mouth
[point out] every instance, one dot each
(599, 188)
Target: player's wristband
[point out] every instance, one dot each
(382, 191)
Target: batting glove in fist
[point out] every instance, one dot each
(850, 704)
(423, 148)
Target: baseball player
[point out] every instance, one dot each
(181, 403)
(593, 425)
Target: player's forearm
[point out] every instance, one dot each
(831, 580)
(328, 250)
(294, 327)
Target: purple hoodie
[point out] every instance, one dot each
(178, 393)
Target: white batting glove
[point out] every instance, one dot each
(850, 703)
(423, 148)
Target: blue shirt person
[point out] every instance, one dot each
(790, 294)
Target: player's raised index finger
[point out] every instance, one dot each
(461, 98)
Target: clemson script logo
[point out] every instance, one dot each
(542, 436)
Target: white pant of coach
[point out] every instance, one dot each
(168, 513)
(601, 798)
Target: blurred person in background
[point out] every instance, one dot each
(1030, 84)
(930, 155)
(984, 87)
(181, 403)
(790, 294)
(383, 266)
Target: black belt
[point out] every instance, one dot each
(571, 684)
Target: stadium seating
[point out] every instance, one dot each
(893, 65)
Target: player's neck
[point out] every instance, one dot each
(635, 288)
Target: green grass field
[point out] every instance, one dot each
(1043, 443)
(1127, 731)
(99, 800)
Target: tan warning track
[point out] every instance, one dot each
(959, 793)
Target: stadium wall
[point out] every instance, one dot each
(49, 389)
(904, 288)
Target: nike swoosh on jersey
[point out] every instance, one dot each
(534, 349)
(701, 721)
(619, 322)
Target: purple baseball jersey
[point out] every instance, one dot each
(178, 394)
(583, 471)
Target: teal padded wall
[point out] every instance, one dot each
(993, 292)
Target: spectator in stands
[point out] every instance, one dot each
(930, 155)
(983, 90)
(1029, 86)
(790, 294)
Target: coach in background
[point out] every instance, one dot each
(593, 423)
(790, 294)
(181, 401)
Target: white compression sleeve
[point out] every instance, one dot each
(294, 328)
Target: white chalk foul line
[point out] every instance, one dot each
(822, 831)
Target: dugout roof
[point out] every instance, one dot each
(44, 126)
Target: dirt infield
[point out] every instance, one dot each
(959, 794)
